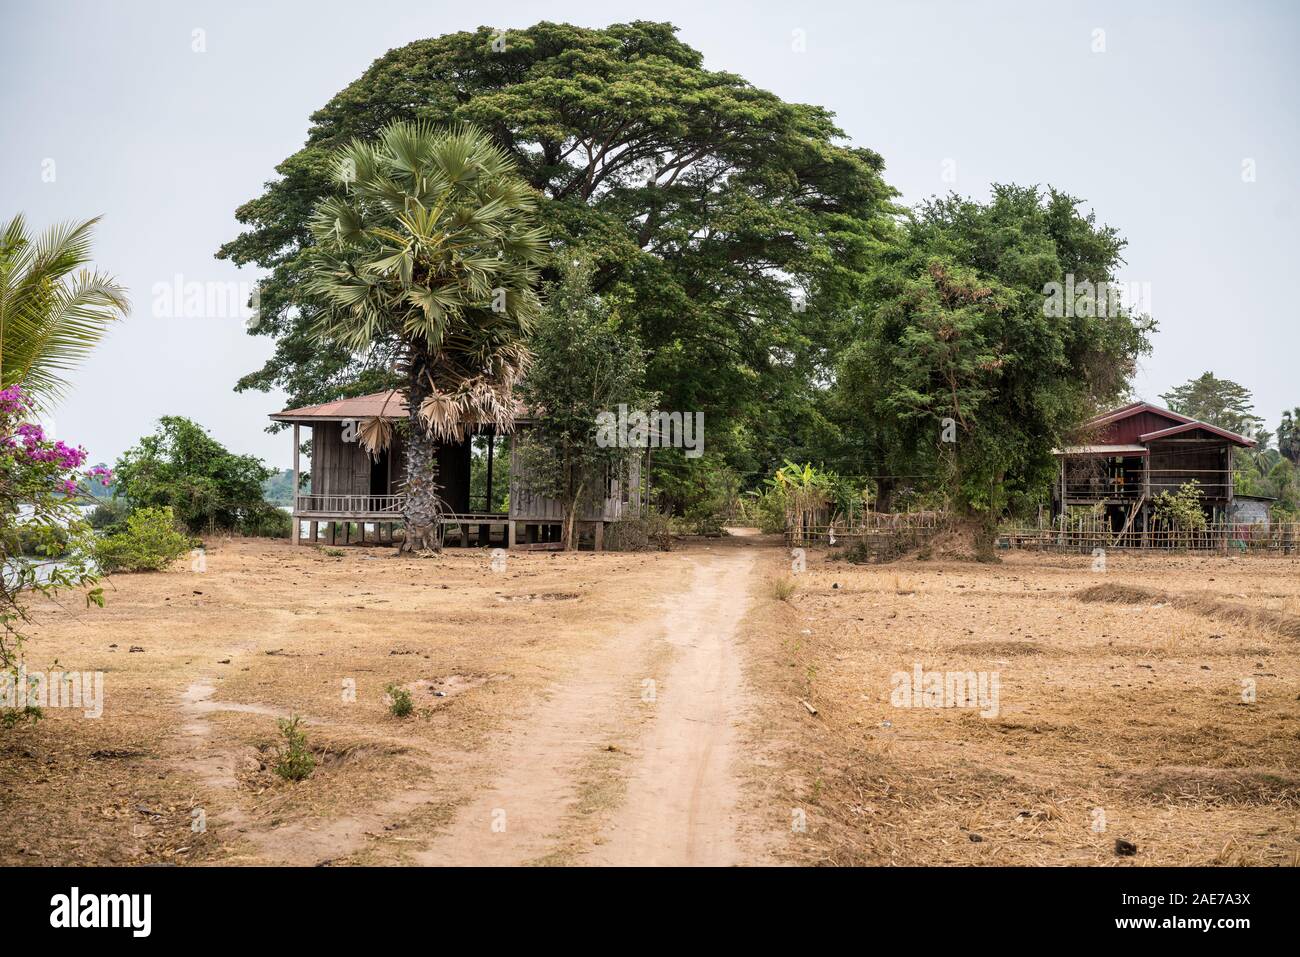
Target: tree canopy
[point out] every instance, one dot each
(712, 204)
(960, 373)
(183, 468)
(1220, 402)
(758, 257)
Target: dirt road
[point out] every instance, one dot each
(660, 703)
(569, 709)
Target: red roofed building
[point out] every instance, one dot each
(1128, 456)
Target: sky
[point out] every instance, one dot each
(1175, 121)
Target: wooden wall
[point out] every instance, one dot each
(605, 498)
(343, 468)
(1204, 460)
(337, 467)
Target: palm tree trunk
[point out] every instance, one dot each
(423, 502)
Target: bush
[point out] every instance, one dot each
(651, 530)
(38, 541)
(111, 513)
(766, 509)
(181, 467)
(267, 522)
(705, 519)
(399, 702)
(295, 760)
(149, 543)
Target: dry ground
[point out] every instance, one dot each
(538, 690)
(623, 709)
(1119, 718)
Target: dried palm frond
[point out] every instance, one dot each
(460, 404)
(375, 436)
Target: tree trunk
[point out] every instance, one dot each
(423, 503)
(573, 514)
(885, 493)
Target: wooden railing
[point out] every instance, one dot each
(350, 505)
(1214, 484)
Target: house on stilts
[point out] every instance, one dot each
(352, 493)
(1130, 455)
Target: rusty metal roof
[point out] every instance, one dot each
(389, 404)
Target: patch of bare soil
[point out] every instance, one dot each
(189, 726)
(1164, 715)
(633, 758)
(532, 739)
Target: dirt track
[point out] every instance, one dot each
(649, 709)
(574, 709)
(670, 688)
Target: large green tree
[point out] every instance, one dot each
(180, 466)
(961, 374)
(585, 367)
(735, 227)
(1288, 435)
(1220, 402)
(427, 260)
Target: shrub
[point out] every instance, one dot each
(38, 541)
(783, 587)
(149, 543)
(110, 514)
(766, 509)
(1180, 511)
(181, 467)
(705, 518)
(400, 704)
(41, 489)
(651, 530)
(269, 522)
(295, 761)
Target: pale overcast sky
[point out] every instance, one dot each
(1153, 131)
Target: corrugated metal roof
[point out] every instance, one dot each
(1232, 437)
(1102, 450)
(389, 404)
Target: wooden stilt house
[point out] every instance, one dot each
(352, 493)
(1130, 455)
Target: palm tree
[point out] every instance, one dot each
(51, 319)
(430, 256)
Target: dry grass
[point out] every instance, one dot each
(1268, 619)
(269, 630)
(1123, 712)
(782, 587)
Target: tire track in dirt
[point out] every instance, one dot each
(681, 788)
(683, 795)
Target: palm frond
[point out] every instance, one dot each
(53, 311)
